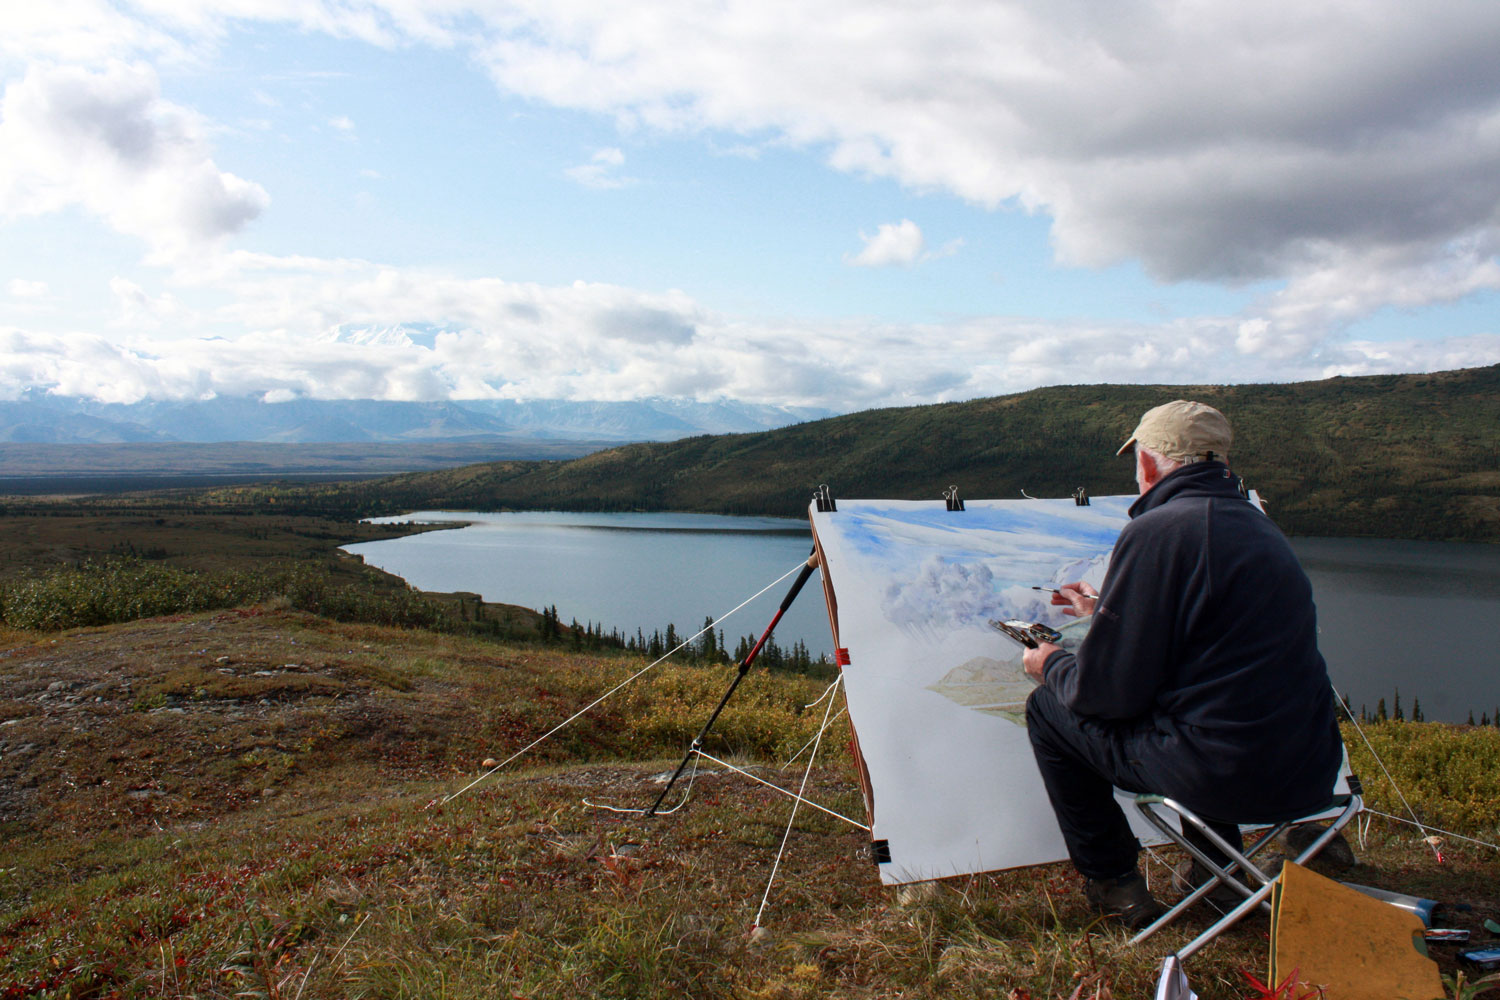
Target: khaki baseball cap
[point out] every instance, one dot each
(1183, 431)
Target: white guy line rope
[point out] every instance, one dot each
(827, 693)
(792, 759)
(1424, 829)
(783, 791)
(1414, 821)
(811, 758)
(601, 699)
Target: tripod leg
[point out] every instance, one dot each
(744, 669)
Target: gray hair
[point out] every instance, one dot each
(1164, 464)
(1167, 465)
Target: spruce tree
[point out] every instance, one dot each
(1396, 714)
(706, 647)
(1380, 715)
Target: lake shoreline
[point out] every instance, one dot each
(1378, 599)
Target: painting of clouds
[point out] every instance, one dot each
(936, 695)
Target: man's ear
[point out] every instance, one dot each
(1150, 471)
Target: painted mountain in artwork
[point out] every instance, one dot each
(999, 687)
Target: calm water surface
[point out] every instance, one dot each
(1423, 617)
(623, 570)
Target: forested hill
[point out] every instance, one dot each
(1413, 456)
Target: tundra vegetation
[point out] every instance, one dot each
(227, 754)
(251, 802)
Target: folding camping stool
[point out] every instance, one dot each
(1158, 809)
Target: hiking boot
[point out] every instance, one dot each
(1125, 898)
(1335, 858)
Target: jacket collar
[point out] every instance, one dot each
(1200, 479)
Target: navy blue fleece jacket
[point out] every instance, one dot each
(1204, 649)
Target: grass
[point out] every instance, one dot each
(182, 825)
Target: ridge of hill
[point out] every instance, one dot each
(1398, 456)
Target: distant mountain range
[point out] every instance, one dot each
(39, 417)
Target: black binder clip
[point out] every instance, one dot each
(951, 496)
(1080, 497)
(824, 499)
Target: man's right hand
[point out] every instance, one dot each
(1078, 598)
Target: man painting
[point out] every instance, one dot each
(1200, 677)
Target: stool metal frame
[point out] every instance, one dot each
(1156, 809)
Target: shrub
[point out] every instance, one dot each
(315, 592)
(1450, 775)
(115, 591)
(123, 590)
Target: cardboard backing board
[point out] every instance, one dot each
(1354, 946)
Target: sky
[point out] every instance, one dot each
(843, 205)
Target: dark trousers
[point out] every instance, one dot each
(1082, 760)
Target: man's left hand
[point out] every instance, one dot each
(1033, 660)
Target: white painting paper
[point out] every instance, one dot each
(937, 695)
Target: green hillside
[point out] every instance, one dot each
(1415, 456)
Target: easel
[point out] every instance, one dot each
(823, 500)
(744, 668)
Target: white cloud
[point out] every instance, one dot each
(1208, 141)
(899, 243)
(1350, 153)
(342, 123)
(20, 288)
(1350, 285)
(106, 141)
(138, 310)
(893, 243)
(353, 329)
(602, 171)
(81, 31)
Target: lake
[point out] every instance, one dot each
(1423, 617)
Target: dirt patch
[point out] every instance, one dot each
(183, 718)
